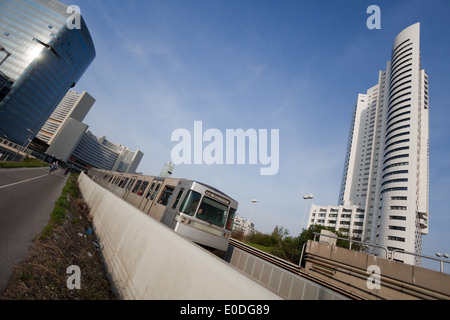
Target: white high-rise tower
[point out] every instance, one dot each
(387, 159)
(73, 105)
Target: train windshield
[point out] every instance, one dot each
(207, 209)
(212, 211)
(190, 203)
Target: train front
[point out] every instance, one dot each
(206, 217)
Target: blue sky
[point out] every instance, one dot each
(296, 66)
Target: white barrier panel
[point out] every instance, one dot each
(147, 260)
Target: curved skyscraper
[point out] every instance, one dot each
(385, 180)
(42, 55)
(401, 214)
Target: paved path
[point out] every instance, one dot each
(27, 197)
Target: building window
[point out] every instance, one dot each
(398, 135)
(399, 198)
(395, 172)
(397, 217)
(396, 165)
(395, 150)
(396, 157)
(396, 238)
(398, 207)
(394, 181)
(397, 228)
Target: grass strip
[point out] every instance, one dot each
(26, 163)
(67, 241)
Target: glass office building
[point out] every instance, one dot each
(103, 154)
(42, 55)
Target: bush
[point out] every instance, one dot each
(280, 244)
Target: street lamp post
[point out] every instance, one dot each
(249, 221)
(446, 255)
(251, 210)
(306, 197)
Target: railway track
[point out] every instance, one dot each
(291, 267)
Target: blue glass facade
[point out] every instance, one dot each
(101, 153)
(41, 58)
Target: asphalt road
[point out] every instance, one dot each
(27, 197)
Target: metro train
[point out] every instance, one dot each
(194, 210)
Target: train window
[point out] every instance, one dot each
(136, 186)
(190, 203)
(212, 211)
(124, 183)
(230, 219)
(165, 196)
(130, 184)
(178, 198)
(156, 191)
(142, 188)
(150, 191)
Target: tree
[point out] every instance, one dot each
(308, 234)
(281, 244)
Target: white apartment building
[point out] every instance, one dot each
(167, 169)
(68, 139)
(386, 165)
(347, 219)
(73, 105)
(245, 226)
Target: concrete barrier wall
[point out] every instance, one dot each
(286, 284)
(397, 280)
(147, 260)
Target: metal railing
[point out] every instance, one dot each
(389, 253)
(10, 151)
(353, 241)
(421, 256)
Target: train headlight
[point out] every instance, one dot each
(184, 220)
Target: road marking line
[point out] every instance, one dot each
(23, 181)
